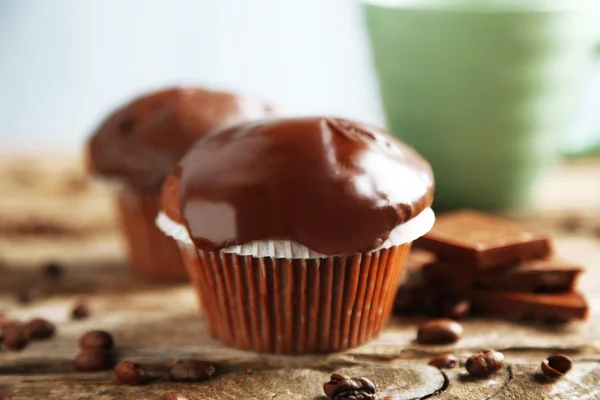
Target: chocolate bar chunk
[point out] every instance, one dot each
(482, 241)
(552, 275)
(516, 305)
(414, 296)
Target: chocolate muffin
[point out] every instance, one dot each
(138, 145)
(295, 231)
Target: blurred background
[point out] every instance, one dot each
(66, 63)
(516, 66)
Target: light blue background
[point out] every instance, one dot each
(65, 63)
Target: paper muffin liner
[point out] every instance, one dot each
(152, 254)
(403, 233)
(295, 306)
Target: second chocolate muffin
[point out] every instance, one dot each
(138, 145)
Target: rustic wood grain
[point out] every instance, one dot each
(527, 382)
(462, 386)
(155, 323)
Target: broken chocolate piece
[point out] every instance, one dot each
(415, 295)
(419, 299)
(551, 276)
(515, 305)
(482, 241)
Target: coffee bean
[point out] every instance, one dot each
(556, 366)
(39, 329)
(130, 373)
(445, 360)
(334, 380)
(6, 322)
(171, 396)
(5, 396)
(96, 339)
(94, 359)
(354, 389)
(76, 183)
(573, 223)
(457, 309)
(485, 363)
(52, 270)
(29, 295)
(15, 337)
(191, 371)
(80, 311)
(439, 331)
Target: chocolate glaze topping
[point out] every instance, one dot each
(141, 142)
(333, 185)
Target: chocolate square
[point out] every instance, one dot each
(559, 307)
(482, 241)
(551, 276)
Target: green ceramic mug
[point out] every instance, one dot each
(483, 89)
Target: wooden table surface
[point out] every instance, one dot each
(49, 212)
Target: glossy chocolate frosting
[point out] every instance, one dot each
(141, 142)
(333, 185)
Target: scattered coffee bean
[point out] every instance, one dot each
(41, 228)
(8, 322)
(171, 396)
(39, 329)
(29, 295)
(334, 380)
(191, 371)
(52, 270)
(15, 337)
(573, 223)
(80, 311)
(457, 309)
(444, 361)
(94, 359)
(96, 339)
(556, 366)
(130, 373)
(354, 389)
(485, 363)
(439, 331)
(76, 183)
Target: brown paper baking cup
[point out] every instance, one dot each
(152, 254)
(296, 306)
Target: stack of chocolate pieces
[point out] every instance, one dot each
(496, 266)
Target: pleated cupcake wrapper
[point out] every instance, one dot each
(152, 254)
(296, 306)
